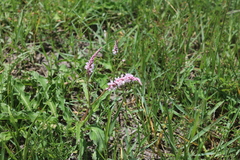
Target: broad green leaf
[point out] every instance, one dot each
(97, 136)
(102, 79)
(42, 80)
(52, 106)
(17, 115)
(106, 65)
(97, 102)
(5, 136)
(24, 98)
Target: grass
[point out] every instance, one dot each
(185, 53)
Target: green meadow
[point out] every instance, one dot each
(186, 55)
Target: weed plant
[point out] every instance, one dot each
(185, 54)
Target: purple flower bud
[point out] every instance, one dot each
(122, 80)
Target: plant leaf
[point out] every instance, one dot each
(97, 136)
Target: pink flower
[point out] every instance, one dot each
(122, 80)
(115, 48)
(90, 64)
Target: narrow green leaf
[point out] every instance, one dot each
(204, 130)
(79, 139)
(85, 89)
(215, 108)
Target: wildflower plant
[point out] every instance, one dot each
(112, 85)
(96, 133)
(55, 106)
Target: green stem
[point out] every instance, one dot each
(90, 110)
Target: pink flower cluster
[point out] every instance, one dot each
(112, 85)
(122, 80)
(115, 48)
(90, 64)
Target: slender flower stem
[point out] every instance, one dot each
(89, 67)
(89, 111)
(99, 96)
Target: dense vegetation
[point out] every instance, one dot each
(186, 54)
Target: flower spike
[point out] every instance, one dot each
(112, 85)
(90, 64)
